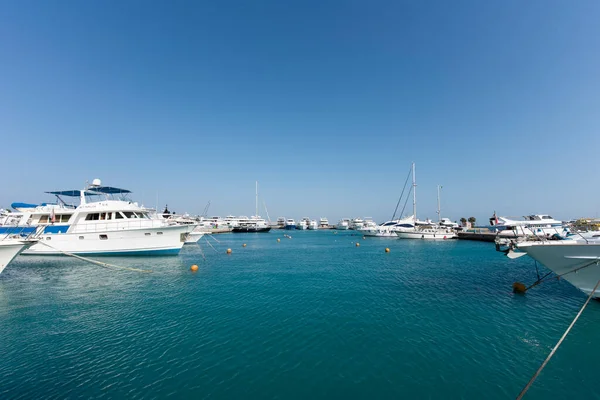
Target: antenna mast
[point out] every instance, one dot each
(256, 200)
(439, 210)
(414, 193)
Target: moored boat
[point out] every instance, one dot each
(10, 247)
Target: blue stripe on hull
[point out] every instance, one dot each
(290, 227)
(133, 253)
(16, 230)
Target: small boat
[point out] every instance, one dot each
(312, 225)
(323, 223)
(11, 246)
(388, 228)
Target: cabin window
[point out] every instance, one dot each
(80, 237)
(92, 217)
(102, 216)
(63, 218)
(159, 233)
(147, 233)
(48, 238)
(118, 215)
(103, 237)
(129, 214)
(44, 219)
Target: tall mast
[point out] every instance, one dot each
(256, 200)
(439, 210)
(414, 193)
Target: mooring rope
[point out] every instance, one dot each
(102, 264)
(534, 377)
(210, 246)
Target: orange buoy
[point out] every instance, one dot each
(244, 245)
(228, 251)
(194, 268)
(519, 287)
(387, 249)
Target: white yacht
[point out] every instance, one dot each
(100, 225)
(303, 224)
(290, 224)
(11, 246)
(356, 223)
(429, 230)
(541, 225)
(388, 228)
(254, 224)
(313, 225)
(192, 236)
(343, 224)
(323, 223)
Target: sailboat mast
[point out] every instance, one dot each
(439, 210)
(414, 193)
(256, 200)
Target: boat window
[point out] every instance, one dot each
(159, 233)
(43, 219)
(547, 217)
(80, 237)
(63, 218)
(92, 217)
(129, 214)
(102, 216)
(118, 215)
(103, 237)
(48, 238)
(147, 233)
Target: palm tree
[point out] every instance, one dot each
(463, 221)
(472, 221)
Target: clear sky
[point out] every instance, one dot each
(325, 103)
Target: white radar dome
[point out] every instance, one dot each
(97, 182)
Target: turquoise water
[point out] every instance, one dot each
(310, 317)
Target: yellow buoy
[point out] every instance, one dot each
(244, 245)
(194, 268)
(519, 287)
(387, 249)
(228, 251)
(278, 240)
(357, 244)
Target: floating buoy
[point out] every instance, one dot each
(278, 240)
(244, 245)
(519, 287)
(364, 238)
(194, 268)
(444, 237)
(357, 244)
(228, 251)
(387, 249)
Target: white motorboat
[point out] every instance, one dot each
(323, 223)
(11, 246)
(575, 260)
(290, 224)
(388, 228)
(100, 225)
(343, 224)
(541, 225)
(303, 224)
(192, 236)
(312, 225)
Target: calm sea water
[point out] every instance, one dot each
(310, 317)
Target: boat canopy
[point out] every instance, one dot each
(95, 190)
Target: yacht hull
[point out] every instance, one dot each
(566, 256)
(10, 248)
(165, 240)
(426, 235)
(239, 229)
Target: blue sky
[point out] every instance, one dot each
(325, 103)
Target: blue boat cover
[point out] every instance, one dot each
(23, 205)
